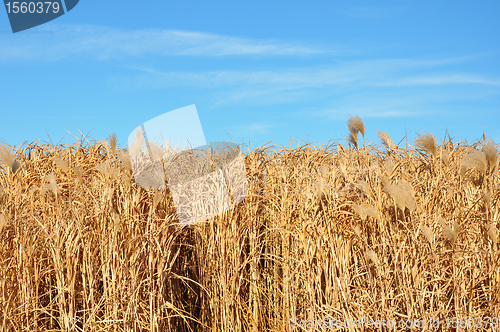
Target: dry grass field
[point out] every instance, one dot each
(340, 232)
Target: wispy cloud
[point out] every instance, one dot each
(292, 83)
(447, 79)
(369, 88)
(103, 43)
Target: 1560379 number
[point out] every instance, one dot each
(32, 7)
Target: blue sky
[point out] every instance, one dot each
(257, 71)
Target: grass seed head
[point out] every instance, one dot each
(3, 222)
(125, 159)
(357, 230)
(449, 233)
(323, 171)
(491, 155)
(428, 233)
(386, 140)
(51, 184)
(389, 167)
(79, 173)
(365, 187)
(157, 151)
(403, 195)
(105, 144)
(116, 222)
(427, 142)
(463, 171)
(356, 124)
(364, 211)
(493, 233)
(477, 160)
(487, 199)
(112, 142)
(62, 165)
(372, 255)
(103, 168)
(8, 158)
(353, 137)
(321, 187)
(445, 156)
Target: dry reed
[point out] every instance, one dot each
(103, 254)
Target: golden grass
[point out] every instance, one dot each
(323, 232)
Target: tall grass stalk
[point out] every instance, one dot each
(84, 248)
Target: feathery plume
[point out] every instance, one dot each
(365, 187)
(427, 142)
(79, 173)
(445, 156)
(125, 159)
(104, 168)
(355, 123)
(125, 178)
(357, 230)
(149, 181)
(112, 142)
(487, 199)
(136, 147)
(403, 195)
(428, 233)
(463, 171)
(157, 151)
(321, 187)
(51, 184)
(389, 167)
(117, 225)
(365, 211)
(372, 255)
(7, 157)
(3, 222)
(493, 233)
(323, 171)
(491, 154)
(477, 160)
(353, 137)
(450, 234)
(386, 140)
(105, 144)
(62, 165)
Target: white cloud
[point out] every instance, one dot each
(447, 79)
(102, 43)
(291, 84)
